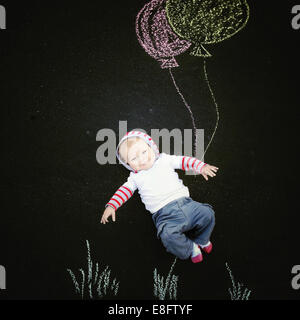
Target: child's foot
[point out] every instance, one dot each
(207, 247)
(196, 255)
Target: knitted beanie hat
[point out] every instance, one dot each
(141, 135)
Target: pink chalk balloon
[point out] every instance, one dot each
(156, 36)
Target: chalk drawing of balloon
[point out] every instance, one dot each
(156, 36)
(159, 40)
(204, 22)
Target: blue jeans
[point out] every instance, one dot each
(182, 222)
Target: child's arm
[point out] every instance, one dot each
(190, 163)
(118, 199)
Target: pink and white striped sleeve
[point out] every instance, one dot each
(122, 194)
(186, 163)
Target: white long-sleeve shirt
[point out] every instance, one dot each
(159, 184)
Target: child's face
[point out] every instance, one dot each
(140, 156)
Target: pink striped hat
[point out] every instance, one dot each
(143, 136)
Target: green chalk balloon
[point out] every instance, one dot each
(206, 21)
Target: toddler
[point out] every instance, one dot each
(183, 225)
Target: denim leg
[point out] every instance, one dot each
(171, 224)
(201, 218)
(176, 242)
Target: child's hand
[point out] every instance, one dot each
(208, 170)
(109, 211)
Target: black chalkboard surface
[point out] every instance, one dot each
(69, 70)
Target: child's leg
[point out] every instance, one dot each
(171, 224)
(176, 242)
(202, 221)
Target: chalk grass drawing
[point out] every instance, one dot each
(94, 284)
(237, 292)
(161, 288)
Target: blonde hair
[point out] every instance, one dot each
(126, 145)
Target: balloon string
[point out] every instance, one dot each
(188, 107)
(215, 103)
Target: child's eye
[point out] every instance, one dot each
(145, 151)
